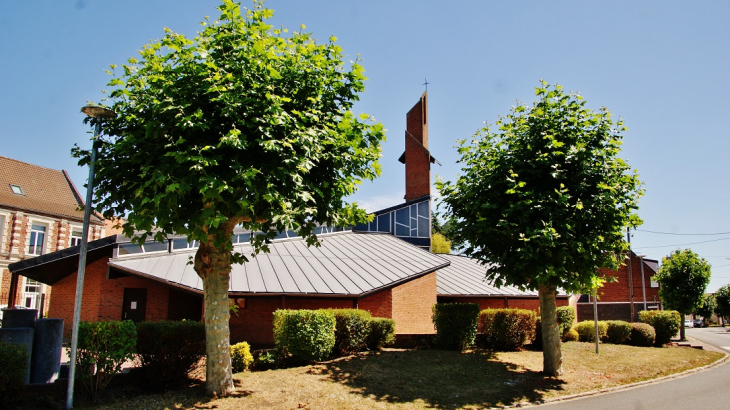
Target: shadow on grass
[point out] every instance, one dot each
(439, 378)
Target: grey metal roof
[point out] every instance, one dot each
(465, 277)
(350, 264)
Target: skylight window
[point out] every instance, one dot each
(16, 189)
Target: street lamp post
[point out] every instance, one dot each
(99, 113)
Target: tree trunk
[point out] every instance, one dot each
(214, 267)
(681, 327)
(552, 358)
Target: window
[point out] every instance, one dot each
(2, 229)
(75, 237)
(654, 283)
(32, 294)
(17, 190)
(37, 237)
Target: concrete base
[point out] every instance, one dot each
(13, 318)
(22, 337)
(46, 360)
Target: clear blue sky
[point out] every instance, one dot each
(663, 66)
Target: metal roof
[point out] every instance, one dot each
(347, 264)
(465, 277)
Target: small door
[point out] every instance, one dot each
(135, 304)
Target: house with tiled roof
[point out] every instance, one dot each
(41, 212)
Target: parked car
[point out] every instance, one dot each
(688, 323)
(698, 323)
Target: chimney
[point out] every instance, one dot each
(416, 156)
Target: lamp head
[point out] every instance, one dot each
(97, 111)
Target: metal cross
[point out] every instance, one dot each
(426, 83)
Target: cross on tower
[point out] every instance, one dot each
(426, 83)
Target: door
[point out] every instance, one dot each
(135, 304)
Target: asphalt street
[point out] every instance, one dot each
(705, 390)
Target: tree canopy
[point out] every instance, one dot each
(709, 305)
(544, 201)
(439, 244)
(244, 125)
(683, 278)
(722, 297)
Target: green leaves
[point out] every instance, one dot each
(683, 278)
(545, 199)
(242, 125)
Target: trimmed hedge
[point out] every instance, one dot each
(13, 359)
(456, 324)
(618, 331)
(566, 318)
(507, 329)
(351, 330)
(304, 335)
(382, 332)
(666, 324)
(169, 350)
(571, 336)
(642, 335)
(102, 349)
(587, 330)
(241, 358)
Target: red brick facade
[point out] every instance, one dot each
(409, 304)
(417, 157)
(620, 290)
(103, 298)
(14, 238)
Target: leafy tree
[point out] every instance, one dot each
(709, 305)
(682, 279)
(543, 203)
(722, 297)
(242, 125)
(439, 244)
(444, 229)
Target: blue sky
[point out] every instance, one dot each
(662, 66)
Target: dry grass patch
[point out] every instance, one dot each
(416, 379)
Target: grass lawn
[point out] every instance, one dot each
(416, 379)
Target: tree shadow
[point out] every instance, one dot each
(439, 378)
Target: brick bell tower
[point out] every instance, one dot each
(416, 157)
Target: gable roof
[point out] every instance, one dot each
(346, 264)
(45, 191)
(466, 277)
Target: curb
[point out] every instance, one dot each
(723, 360)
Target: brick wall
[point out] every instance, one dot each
(103, 298)
(500, 302)
(417, 156)
(254, 322)
(619, 291)
(412, 305)
(379, 304)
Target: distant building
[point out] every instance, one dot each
(633, 290)
(40, 212)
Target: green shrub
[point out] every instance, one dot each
(618, 331)
(351, 330)
(566, 318)
(13, 362)
(642, 335)
(587, 330)
(265, 360)
(571, 336)
(304, 335)
(456, 324)
(507, 329)
(666, 323)
(169, 350)
(382, 332)
(241, 358)
(102, 349)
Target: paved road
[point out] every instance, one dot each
(705, 390)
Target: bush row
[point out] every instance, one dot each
(666, 323)
(13, 360)
(616, 332)
(302, 336)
